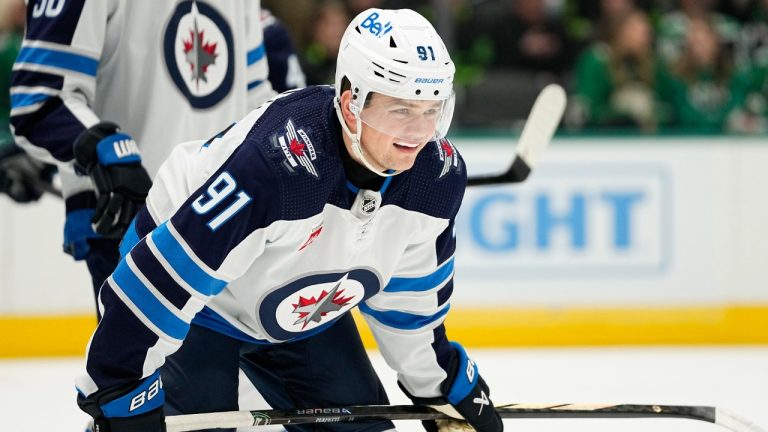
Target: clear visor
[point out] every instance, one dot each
(408, 121)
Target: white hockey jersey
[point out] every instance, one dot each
(166, 71)
(257, 234)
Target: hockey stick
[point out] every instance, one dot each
(235, 419)
(538, 130)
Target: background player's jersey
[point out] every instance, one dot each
(165, 71)
(257, 234)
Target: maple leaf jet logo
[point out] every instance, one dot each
(199, 54)
(298, 149)
(312, 310)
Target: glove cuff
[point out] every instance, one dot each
(465, 378)
(118, 149)
(104, 144)
(125, 402)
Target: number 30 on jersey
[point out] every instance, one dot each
(220, 189)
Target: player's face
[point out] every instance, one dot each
(395, 130)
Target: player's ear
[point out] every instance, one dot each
(345, 99)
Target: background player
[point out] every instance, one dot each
(255, 244)
(103, 73)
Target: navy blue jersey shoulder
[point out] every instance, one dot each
(434, 185)
(299, 137)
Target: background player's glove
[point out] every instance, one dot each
(111, 158)
(23, 178)
(129, 408)
(466, 398)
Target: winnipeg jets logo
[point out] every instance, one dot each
(482, 401)
(447, 153)
(313, 310)
(198, 50)
(314, 301)
(297, 149)
(200, 53)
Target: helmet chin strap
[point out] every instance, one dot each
(356, 139)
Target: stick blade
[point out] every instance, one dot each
(545, 116)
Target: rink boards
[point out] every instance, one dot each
(611, 241)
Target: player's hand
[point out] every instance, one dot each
(132, 408)
(22, 178)
(111, 158)
(466, 398)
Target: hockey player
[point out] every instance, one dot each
(255, 244)
(113, 71)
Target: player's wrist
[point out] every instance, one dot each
(465, 396)
(129, 408)
(104, 144)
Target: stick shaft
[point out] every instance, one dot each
(542, 122)
(410, 412)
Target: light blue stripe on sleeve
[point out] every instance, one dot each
(147, 303)
(253, 84)
(403, 320)
(20, 100)
(177, 257)
(256, 54)
(424, 283)
(59, 59)
(130, 238)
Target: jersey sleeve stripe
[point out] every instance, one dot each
(144, 300)
(58, 60)
(139, 313)
(256, 54)
(144, 222)
(423, 283)
(130, 239)
(21, 100)
(61, 129)
(402, 320)
(172, 273)
(36, 82)
(253, 84)
(184, 265)
(157, 275)
(444, 294)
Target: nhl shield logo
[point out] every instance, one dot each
(298, 150)
(198, 53)
(368, 205)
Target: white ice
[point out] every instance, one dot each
(38, 394)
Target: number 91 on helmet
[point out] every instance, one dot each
(398, 56)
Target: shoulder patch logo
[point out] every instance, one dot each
(297, 149)
(447, 153)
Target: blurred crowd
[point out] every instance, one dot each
(690, 66)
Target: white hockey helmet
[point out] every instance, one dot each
(399, 54)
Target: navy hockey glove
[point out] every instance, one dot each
(129, 408)
(466, 397)
(111, 158)
(22, 178)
